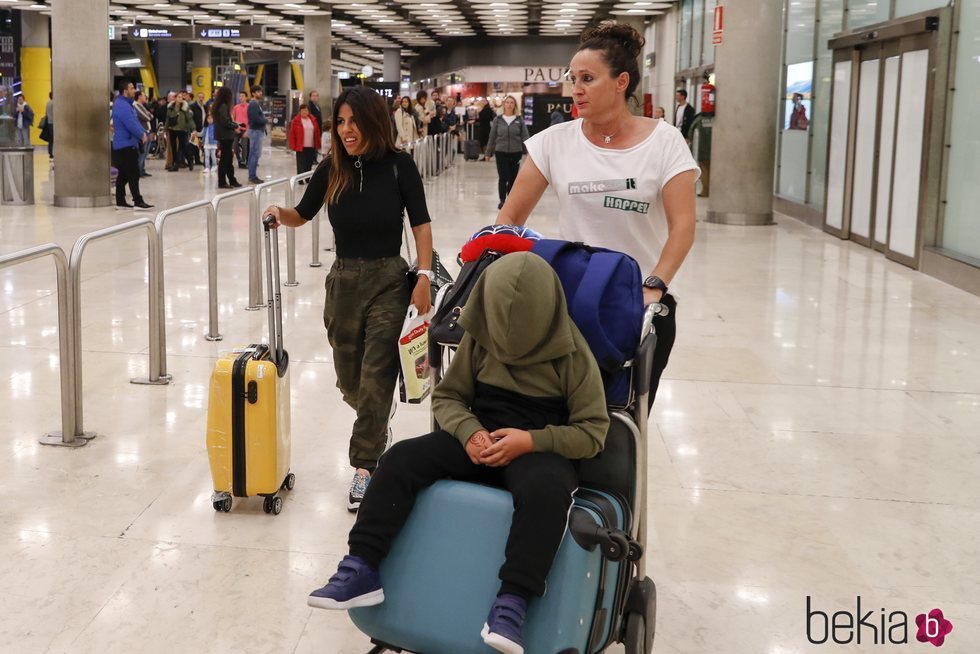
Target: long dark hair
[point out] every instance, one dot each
(373, 121)
(620, 45)
(222, 98)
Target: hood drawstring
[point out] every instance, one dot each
(357, 164)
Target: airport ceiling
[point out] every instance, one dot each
(365, 27)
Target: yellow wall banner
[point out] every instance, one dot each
(35, 65)
(201, 82)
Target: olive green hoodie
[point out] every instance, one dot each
(520, 338)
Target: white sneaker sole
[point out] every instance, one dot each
(500, 643)
(368, 599)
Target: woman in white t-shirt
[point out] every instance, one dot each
(623, 182)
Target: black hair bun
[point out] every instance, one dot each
(624, 35)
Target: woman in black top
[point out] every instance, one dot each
(367, 183)
(224, 133)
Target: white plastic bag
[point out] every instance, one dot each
(414, 380)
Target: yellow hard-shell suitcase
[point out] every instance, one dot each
(248, 412)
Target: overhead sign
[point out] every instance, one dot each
(8, 61)
(237, 32)
(187, 33)
(522, 74)
(180, 32)
(719, 25)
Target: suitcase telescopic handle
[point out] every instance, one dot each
(274, 288)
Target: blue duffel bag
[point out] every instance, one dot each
(604, 291)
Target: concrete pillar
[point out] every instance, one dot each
(393, 65)
(81, 107)
(201, 70)
(285, 75)
(743, 141)
(171, 71)
(666, 61)
(317, 60)
(35, 30)
(636, 104)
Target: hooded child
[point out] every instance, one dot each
(521, 401)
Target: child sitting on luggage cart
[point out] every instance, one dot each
(520, 403)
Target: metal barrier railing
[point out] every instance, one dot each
(291, 232)
(255, 244)
(157, 365)
(253, 209)
(212, 232)
(71, 433)
(433, 154)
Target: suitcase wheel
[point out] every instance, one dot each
(222, 505)
(288, 482)
(272, 505)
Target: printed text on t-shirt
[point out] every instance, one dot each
(612, 202)
(602, 185)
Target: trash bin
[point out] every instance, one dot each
(16, 175)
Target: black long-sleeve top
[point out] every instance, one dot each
(367, 218)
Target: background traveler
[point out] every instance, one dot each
(179, 125)
(507, 135)
(225, 131)
(304, 137)
(126, 135)
(256, 133)
(406, 124)
(240, 115)
(146, 122)
(683, 114)
(24, 121)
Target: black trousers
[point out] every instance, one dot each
(542, 484)
(127, 162)
(508, 164)
(178, 142)
(666, 328)
(305, 160)
(226, 161)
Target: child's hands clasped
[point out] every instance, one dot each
(510, 444)
(478, 442)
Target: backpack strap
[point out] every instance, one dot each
(586, 307)
(550, 249)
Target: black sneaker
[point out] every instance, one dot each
(143, 206)
(123, 205)
(235, 184)
(358, 486)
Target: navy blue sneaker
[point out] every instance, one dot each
(504, 628)
(355, 584)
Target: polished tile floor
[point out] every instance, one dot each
(816, 435)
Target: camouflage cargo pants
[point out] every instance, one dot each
(366, 301)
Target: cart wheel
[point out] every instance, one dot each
(289, 482)
(276, 505)
(226, 504)
(267, 505)
(636, 633)
(219, 505)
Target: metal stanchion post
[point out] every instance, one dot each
(157, 349)
(291, 232)
(71, 434)
(212, 244)
(216, 202)
(255, 301)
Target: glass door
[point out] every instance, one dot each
(881, 110)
